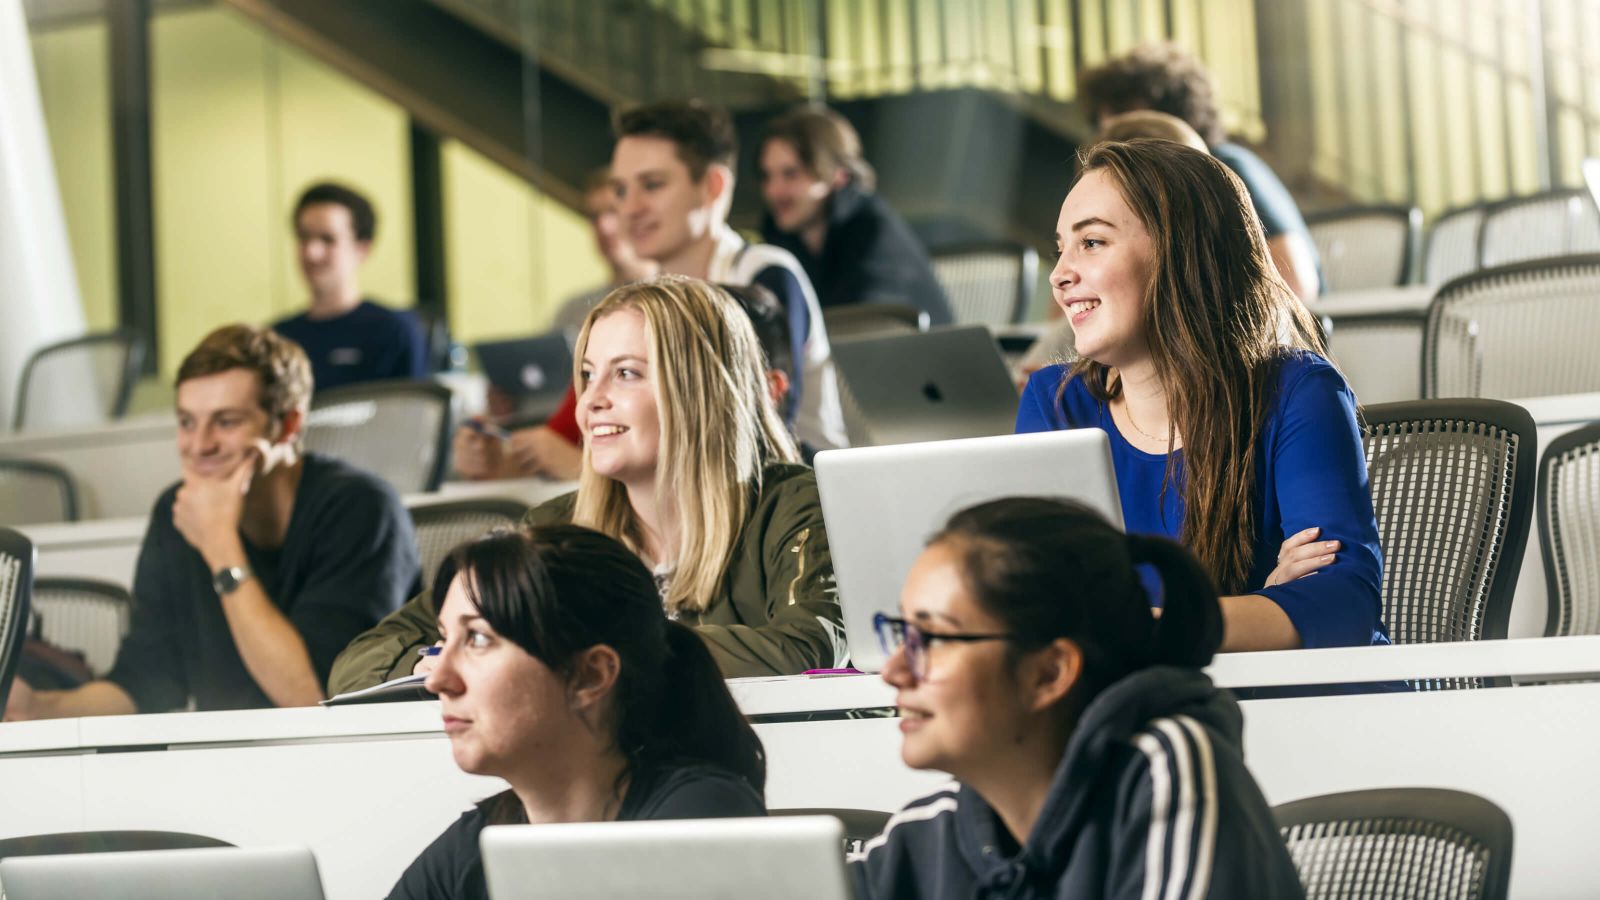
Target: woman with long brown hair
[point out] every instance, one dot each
(1230, 430)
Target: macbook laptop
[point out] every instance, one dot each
(783, 858)
(533, 371)
(881, 504)
(234, 873)
(925, 386)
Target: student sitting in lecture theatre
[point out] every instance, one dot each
(261, 564)
(1092, 756)
(673, 171)
(688, 464)
(559, 674)
(1229, 428)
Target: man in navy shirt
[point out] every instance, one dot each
(348, 338)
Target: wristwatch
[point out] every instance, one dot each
(226, 581)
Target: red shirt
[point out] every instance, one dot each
(564, 421)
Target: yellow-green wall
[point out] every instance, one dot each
(75, 92)
(241, 122)
(513, 254)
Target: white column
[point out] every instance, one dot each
(39, 299)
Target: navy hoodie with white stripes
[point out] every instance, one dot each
(1151, 801)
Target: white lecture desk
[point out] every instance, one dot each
(367, 787)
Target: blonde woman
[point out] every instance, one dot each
(688, 464)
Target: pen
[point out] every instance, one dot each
(488, 428)
(428, 651)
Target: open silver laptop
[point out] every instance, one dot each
(881, 504)
(925, 386)
(533, 371)
(784, 858)
(234, 873)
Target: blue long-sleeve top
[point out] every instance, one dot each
(1310, 472)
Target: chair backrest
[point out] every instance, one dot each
(1569, 531)
(33, 492)
(97, 373)
(440, 527)
(104, 842)
(1452, 487)
(1525, 330)
(1453, 246)
(860, 825)
(397, 430)
(1365, 247)
(90, 617)
(860, 319)
(16, 585)
(1542, 226)
(1398, 844)
(988, 282)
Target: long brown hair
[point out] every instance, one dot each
(1218, 320)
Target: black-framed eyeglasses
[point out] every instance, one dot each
(894, 634)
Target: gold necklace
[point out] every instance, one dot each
(1127, 410)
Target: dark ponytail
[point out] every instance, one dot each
(1190, 628)
(692, 715)
(1053, 569)
(557, 590)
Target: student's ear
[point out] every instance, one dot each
(363, 249)
(841, 177)
(777, 386)
(594, 674)
(1051, 673)
(289, 427)
(718, 184)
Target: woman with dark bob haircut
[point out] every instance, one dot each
(1092, 756)
(1230, 430)
(560, 674)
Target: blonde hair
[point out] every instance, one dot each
(718, 429)
(1148, 123)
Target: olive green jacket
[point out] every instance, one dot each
(777, 612)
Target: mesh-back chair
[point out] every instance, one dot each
(1569, 531)
(33, 492)
(1398, 844)
(90, 617)
(442, 526)
(104, 842)
(97, 372)
(397, 430)
(1543, 226)
(1365, 247)
(16, 586)
(860, 825)
(1452, 246)
(988, 282)
(1525, 330)
(859, 319)
(1452, 488)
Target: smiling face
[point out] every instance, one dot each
(219, 421)
(1106, 262)
(664, 210)
(617, 410)
(795, 196)
(330, 254)
(502, 708)
(968, 709)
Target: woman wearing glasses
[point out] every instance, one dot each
(1092, 757)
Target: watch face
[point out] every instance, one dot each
(228, 580)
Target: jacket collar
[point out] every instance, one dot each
(1100, 746)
